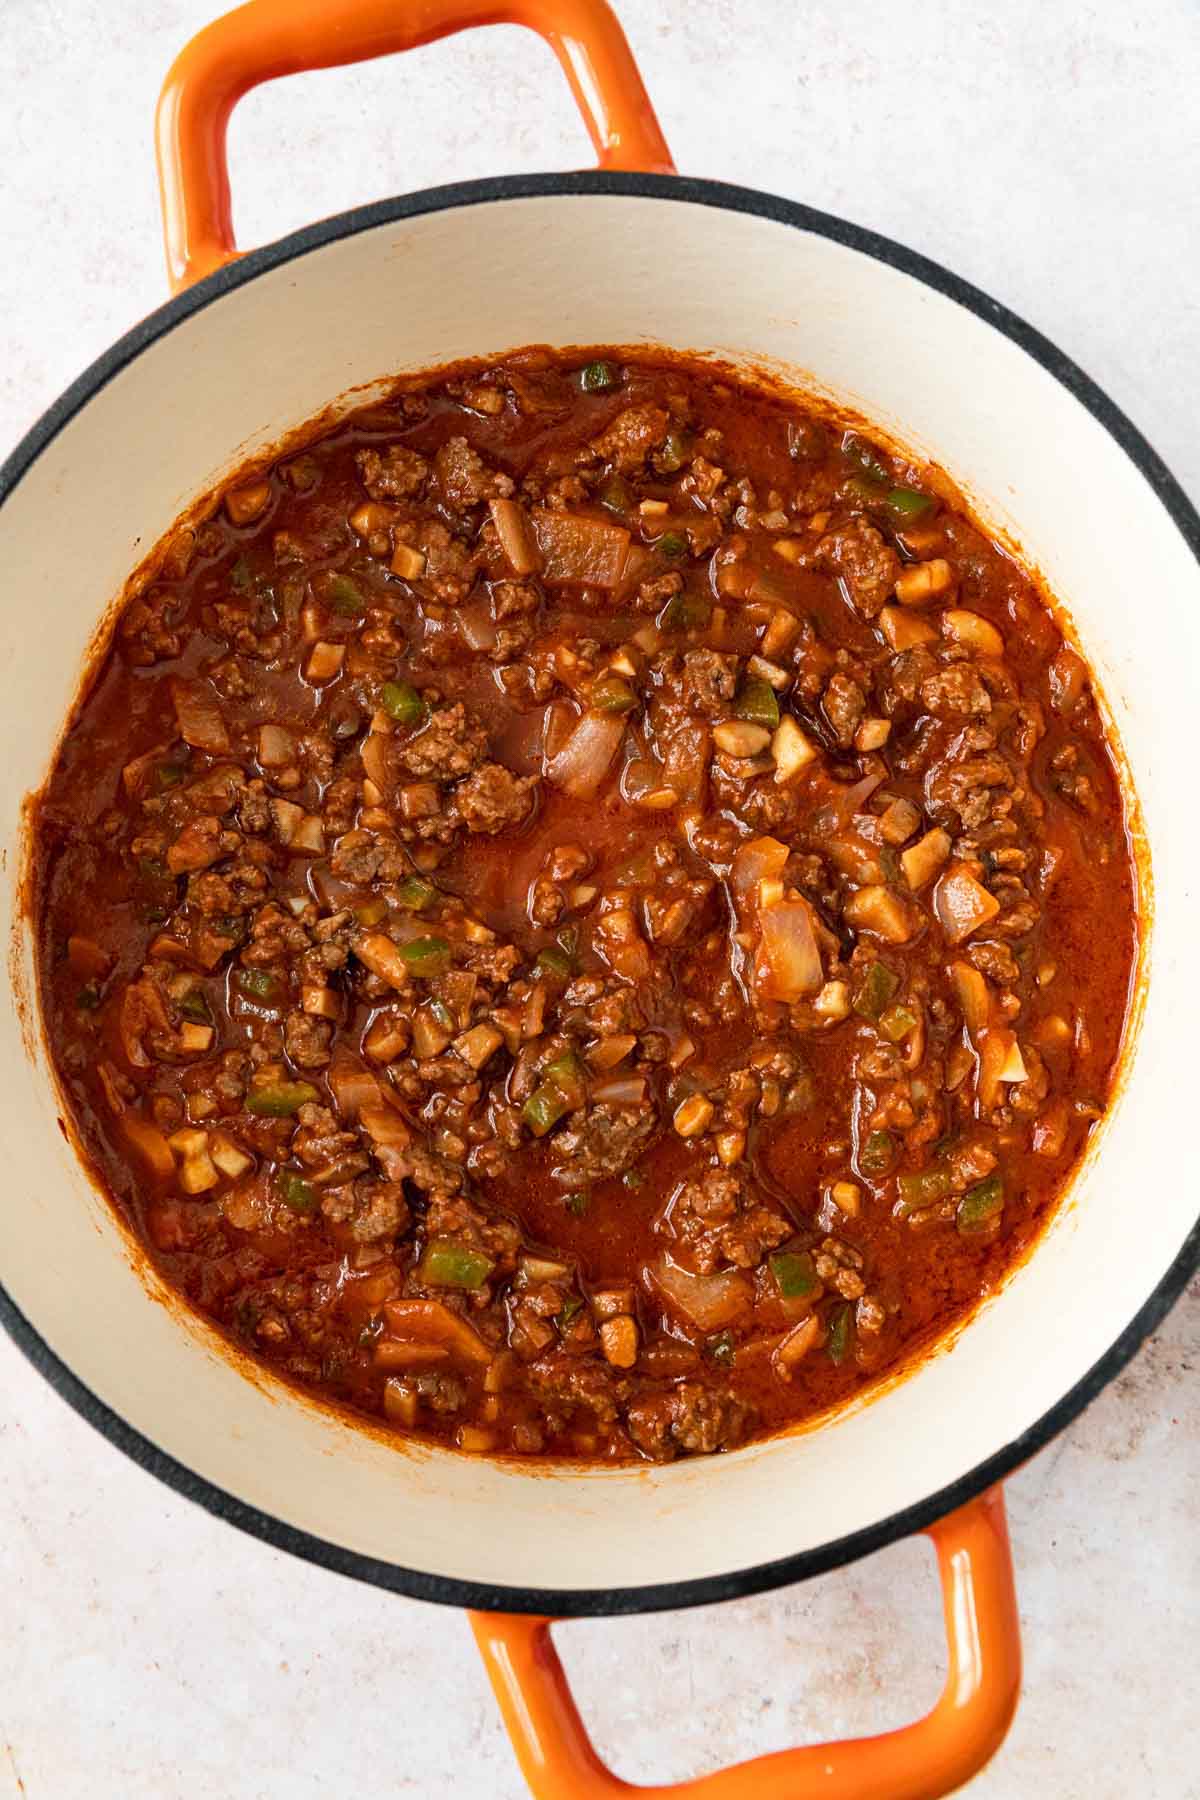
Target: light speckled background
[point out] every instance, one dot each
(1048, 151)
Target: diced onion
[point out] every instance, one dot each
(762, 859)
(842, 803)
(142, 1010)
(972, 993)
(877, 908)
(199, 717)
(576, 549)
(626, 1090)
(854, 855)
(137, 773)
(972, 631)
(791, 750)
(584, 760)
(374, 758)
(709, 1301)
(789, 965)
(276, 747)
(309, 835)
(383, 959)
(149, 1146)
(428, 1037)
(640, 776)
(475, 624)
(516, 536)
(796, 1346)
(1050, 1130)
(229, 1157)
(353, 1087)
(610, 1051)
(1067, 676)
(287, 817)
(385, 1125)
(962, 904)
(994, 1053)
(902, 630)
(922, 860)
(429, 1321)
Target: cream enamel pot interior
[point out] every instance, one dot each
(254, 351)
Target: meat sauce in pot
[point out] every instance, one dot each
(587, 912)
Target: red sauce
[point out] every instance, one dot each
(586, 913)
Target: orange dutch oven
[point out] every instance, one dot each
(250, 347)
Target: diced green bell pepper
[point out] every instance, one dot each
(612, 695)
(598, 377)
(685, 612)
(425, 955)
(553, 961)
(756, 703)
(676, 448)
(257, 984)
(795, 1276)
(414, 894)
(897, 1021)
(864, 456)
(402, 702)
(446, 1264)
(874, 991)
(878, 1153)
(544, 1108)
(615, 494)
(566, 1074)
(841, 1322)
(923, 1189)
(980, 1208)
(906, 503)
(281, 1099)
(295, 1192)
(345, 596)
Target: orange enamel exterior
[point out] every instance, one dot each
(919, 1762)
(269, 38)
(258, 42)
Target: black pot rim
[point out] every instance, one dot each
(668, 1595)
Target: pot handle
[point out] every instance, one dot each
(921, 1761)
(268, 38)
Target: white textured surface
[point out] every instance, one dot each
(1049, 154)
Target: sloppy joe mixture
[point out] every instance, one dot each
(587, 911)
